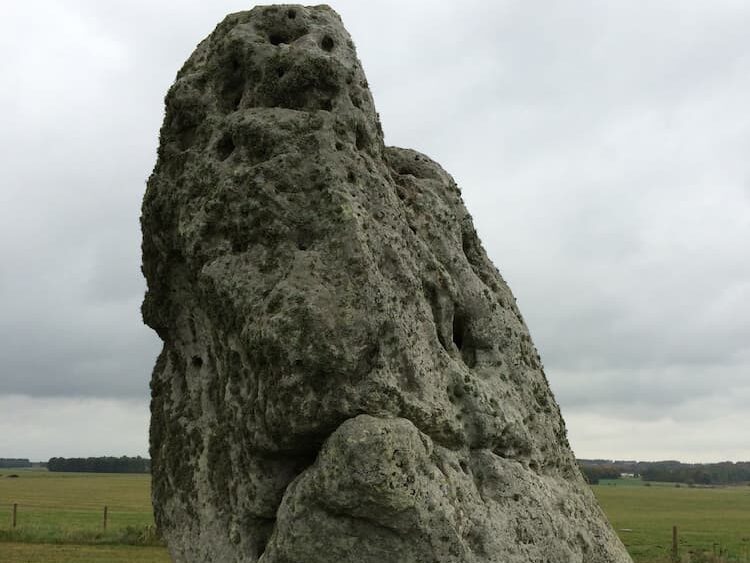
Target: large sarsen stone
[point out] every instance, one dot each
(345, 375)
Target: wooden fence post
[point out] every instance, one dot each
(105, 518)
(675, 552)
(15, 512)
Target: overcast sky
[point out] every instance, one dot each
(602, 148)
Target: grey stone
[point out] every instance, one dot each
(345, 375)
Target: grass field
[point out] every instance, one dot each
(11, 552)
(67, 508)
(60, 519)
(708, 520)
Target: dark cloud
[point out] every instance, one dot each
(600, 147)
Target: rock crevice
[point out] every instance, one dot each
(345, 375)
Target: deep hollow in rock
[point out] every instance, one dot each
(345, 375)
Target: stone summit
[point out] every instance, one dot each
(345, 377)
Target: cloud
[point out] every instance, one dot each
(601, 149)
(40, 428)
(647, 393)
(722, 438)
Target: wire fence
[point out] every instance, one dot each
(47, 512)
(83, 523)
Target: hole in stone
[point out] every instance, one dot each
(327, 43)
(351, 177)
(466, 246)
(464, 466)
(225, 146)
(431, 294)
(462, 340)
(197, 361)
(326, 105)
(233, 81)
(280, 72)
(339, 146)
(291, 14)
(276, 39)
(458, 331)
(303, 238)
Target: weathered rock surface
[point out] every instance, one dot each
(345, 375)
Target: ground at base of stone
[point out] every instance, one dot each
(64, 553)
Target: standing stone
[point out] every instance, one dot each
(345, 375)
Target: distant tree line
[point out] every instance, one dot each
(594, 473)
(122, 464)
(6, 462)
(723, 473)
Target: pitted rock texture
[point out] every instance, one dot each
(345, 375)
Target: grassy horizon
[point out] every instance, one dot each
(60, 518)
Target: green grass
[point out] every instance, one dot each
(51, 553)
(67, 508)
(637, 482)
(708, 520)
(60, 519)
